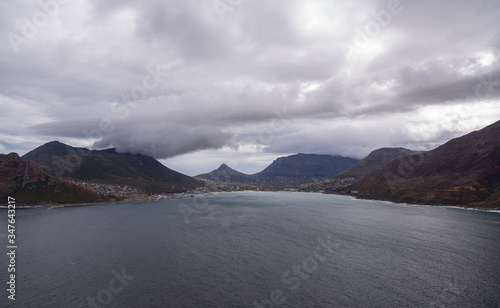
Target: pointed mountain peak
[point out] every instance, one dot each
(226, 168)
(223, 167)
(225, 174)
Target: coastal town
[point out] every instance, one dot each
(126, 193)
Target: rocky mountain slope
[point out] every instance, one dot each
(285, 171)
(463, 171)
(109, 167)
(225, 174)
(30, 185)
(376, 159)
(303, 168)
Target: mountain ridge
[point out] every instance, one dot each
(463, 171)
(305, 166)
(53, 148)
(30, 185)
(292, 169)
(109, 167)
(376, 159)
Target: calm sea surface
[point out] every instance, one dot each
(254, 250)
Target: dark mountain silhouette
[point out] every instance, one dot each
(463, 171)
(29, 184)
(54, 148)
(109, 167)
(294, 169)
(376, 159)
(303, 168)
(225, 174)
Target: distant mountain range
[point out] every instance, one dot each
(56, 165)
(304, 168)
(109, 167)
(463, 171)
(298, 168)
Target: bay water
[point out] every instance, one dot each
(254, 249)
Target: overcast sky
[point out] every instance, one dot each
(197, 83)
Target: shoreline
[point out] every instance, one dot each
(50, 205)
(459, 207)
(463, 207)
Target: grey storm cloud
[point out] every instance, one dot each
(167, 78)
(156, 139)
(165, 140)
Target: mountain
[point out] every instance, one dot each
(29, 184)
(376, 159)
(290, 170)
(109, 167)
(54, 148)
(226, 174)
(302, 168)
(463, 171)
